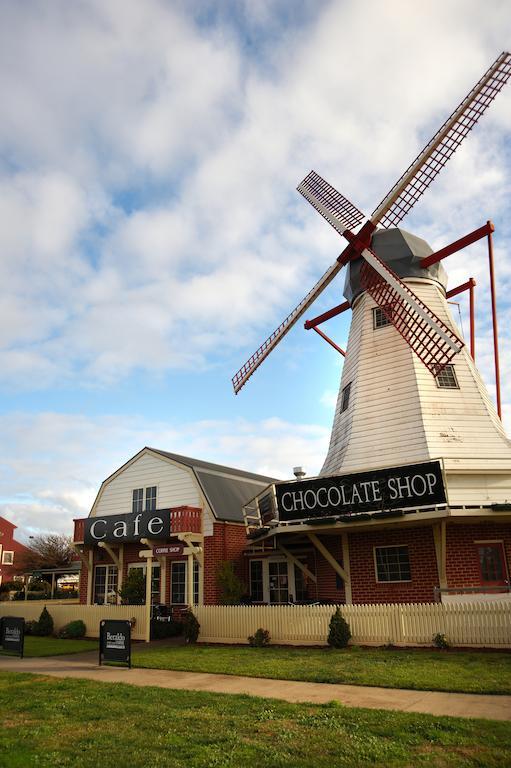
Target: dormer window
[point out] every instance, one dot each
(381, 316)
(446, 379)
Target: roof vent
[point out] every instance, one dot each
(299, 472)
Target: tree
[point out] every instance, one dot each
(132, 591)
(50, 550)
(339, 631)
(231, 586)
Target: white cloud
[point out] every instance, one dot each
(56, 462)
(135, 106)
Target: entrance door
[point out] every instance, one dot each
(492, 564)
(279, 584)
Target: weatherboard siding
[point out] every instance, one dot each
(398, 414)
(384, 413)
(176, 486)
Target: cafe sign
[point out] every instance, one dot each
(414, 485)
(122, 529)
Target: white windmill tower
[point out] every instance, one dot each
(391, 409)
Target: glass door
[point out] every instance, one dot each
(278, 581)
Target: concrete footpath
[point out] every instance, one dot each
(85, 666)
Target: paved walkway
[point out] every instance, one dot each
(85, 666)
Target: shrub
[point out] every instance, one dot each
(162, 629)
(440, 641)
(73, 629)
(9, 586)
(260, 639)
(231, 587)
(339, 631)
(29, 627)
(132, 591)
(44, 626)
(191, 627)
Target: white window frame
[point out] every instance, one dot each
(456, 382)
(185, 563)
(133, 510)
(395, 581)
(143, 565)
(377, 327)
(8, 552)
(108, 567)
(266, 576)
(155, 485)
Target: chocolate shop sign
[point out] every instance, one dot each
(415, 485)
(127, 528)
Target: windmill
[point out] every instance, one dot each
(429, 337)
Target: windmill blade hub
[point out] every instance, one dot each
(402, 252)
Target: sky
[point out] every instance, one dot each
(151, 235)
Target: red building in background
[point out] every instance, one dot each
(10, 552)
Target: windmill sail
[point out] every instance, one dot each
(431, 339)
(424, 169)
(245, 372)
(334, 207)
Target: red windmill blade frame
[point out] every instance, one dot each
(337, 210)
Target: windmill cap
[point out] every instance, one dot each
(403, 252)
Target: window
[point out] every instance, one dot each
(178, 583)
(155, 580)
(446, 379)
(345, 397)
(492, 563)
(196, 572)
(381, 316)
(256, 581)
(138, 500)
(150, 498)
(392, 564)
(105, 584)
(7, 558)
(279, 584)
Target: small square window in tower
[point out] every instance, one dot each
(345, 397)
(446, 379)
(381, 316)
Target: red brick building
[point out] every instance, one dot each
(10, 552)
(182, 517)
(178, 517)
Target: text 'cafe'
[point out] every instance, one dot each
(389, 535)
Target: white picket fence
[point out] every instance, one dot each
(464, 624)
(62, 613)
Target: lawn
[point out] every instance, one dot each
(53, 646)
(52, 723)
(425, 670)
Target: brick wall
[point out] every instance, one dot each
(423, 565)
(227, 543)
(9, 544)
(329, 586)
(462, 557)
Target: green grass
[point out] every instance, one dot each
(53, 646)
(462, 671)
(52, 723)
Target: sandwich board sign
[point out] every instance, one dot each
(115, 641)
(12, 634)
